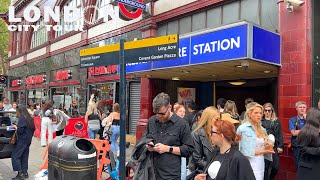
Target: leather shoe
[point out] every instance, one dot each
(19, 176)
(25, 175)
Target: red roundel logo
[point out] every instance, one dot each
(128, 14)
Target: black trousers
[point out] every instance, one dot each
(59, 133)
(271, 167)
(20, 157)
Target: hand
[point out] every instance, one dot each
(161, 148)
(92, 96)
(280, 150)
(268, 151)
(14, 126)
(200, 177)
(150, 148)
(304, 116)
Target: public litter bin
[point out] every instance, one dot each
(71, 158)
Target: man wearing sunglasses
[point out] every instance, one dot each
(171, 139)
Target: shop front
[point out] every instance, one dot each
(17, 91)
(36, 89)
(65, 91)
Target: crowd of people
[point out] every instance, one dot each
(182, 142)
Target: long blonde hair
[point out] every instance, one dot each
(92, 108)
(273, 114)
(250, 107)
(206, 119)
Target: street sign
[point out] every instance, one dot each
(151, 49)
(133, 3)
(99, 56)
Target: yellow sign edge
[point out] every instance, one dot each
(100, 50)
(151, 42)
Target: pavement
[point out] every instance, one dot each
(35, 161)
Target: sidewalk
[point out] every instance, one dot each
(35, 161)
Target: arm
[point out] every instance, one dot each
(292, 128)
(106, 121)
(21, 126)
(280, 136)
(198, 152)
(91, 98)
(86, 118)
(310, 150)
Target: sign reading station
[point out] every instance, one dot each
(152, 49)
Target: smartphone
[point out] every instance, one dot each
(151, 145)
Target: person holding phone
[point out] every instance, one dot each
(170, 139)
(228, 163)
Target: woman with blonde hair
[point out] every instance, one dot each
(203, 147)
(272, 124)
(253, 144)
(93, 120)
(231, 108)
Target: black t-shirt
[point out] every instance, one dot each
(224, 160)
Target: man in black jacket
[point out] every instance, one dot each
(191, 116)
(171, 139)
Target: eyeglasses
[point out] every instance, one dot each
(267, 110)
(162, 114)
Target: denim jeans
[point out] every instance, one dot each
(114, 137)
(183, 168)
(92, 133)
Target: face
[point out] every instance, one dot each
(181, 112)
(164, 113)
(216, 138)
(6, 101)
(175, 107)
(14, 106)
(38, 107)
(267, 111)
(301, 109)
(216, 117)
(319, 104)
(256, 115)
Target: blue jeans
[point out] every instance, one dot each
(92, 133)
(114, 137)
(183, 168)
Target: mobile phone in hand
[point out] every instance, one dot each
(150, 145)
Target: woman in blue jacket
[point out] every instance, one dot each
(20, 154)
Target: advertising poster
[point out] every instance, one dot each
(186, 95)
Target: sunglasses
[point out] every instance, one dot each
(162, 114)
(268, 110)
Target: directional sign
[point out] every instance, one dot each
(99, 56)
(152, 49)
(133, 3)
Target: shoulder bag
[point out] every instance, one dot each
(94, 124)
(13, 139)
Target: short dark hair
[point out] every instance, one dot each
(221, 102)
(192, 105)
(248, 100)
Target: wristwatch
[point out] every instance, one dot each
(170, 149)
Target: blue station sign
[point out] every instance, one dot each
(244, 41)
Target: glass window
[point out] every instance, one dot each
(17, 43)
(230, 17)
(105, 93)
(70, 26)
(173, 27)
(214, 17)
(40, 36)
(36, 96)
(198, 21)
(68, 99)
(185, 25)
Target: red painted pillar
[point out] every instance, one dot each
(146, 97)
(295, 73)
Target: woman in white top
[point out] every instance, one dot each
(46, 123)
(253, 144)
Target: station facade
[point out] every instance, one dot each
(227, 48)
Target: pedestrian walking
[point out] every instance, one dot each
(253, 144)
(227, 162)
(272, 124)
(201, 136)
(296, 123)
(20, 154)
(308, 143)
(170, 139)
(46, 123)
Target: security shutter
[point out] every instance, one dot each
(134, 106)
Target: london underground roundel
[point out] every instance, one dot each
(128, 13)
